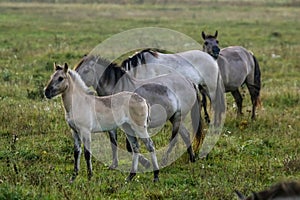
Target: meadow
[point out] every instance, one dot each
(36, 146)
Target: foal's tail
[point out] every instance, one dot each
(197, 122)
(257, 79)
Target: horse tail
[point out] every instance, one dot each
(257, 79)
(197, 122)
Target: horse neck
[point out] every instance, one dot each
(112, 77)
(72, 93)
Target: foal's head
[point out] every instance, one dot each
(58, 82)
(211, 44)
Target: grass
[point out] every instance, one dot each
(36, 144)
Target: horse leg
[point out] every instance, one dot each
(87, 154)
(114, 147)
(144, 161)
(150, 147)
(135, 155)
(77, 153)
(176, 121)
(254, 93)
(204, 103)
(238, 100)
(186, 138)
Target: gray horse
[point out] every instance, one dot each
(237, 66)
(173, 94)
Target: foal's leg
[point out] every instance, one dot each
(77, 153)
(186, 138)
(239, 100)
(135, 155)
(150, 147)
(114, 147)
(87, 154)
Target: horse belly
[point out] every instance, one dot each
(162, 101)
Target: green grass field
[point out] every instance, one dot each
(36, 147)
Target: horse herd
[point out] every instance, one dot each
(128, 94)
(145, 80)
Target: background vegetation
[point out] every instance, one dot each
(35, 143)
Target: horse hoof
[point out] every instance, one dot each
(90, 176)
(155, 180)
(130, 177)
(193, 159)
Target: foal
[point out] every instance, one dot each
(86, 114)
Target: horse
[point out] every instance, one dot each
(238, 66)
(283, 190)
(171, 97)
(195, 65)
(86, 114)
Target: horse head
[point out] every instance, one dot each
(283, 190)
(58, 82)
(211, 44)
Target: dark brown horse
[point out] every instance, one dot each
(284, 190)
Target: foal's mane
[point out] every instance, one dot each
(78, 81)
(135, 59)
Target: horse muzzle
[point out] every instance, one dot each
(48, 93)
(215, 52)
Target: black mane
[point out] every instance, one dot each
(113, 72)
(136, 59)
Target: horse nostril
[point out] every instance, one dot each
(48, 93)
(216, 49)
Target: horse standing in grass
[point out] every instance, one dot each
(195, 65)
(237, 66)
(171, 97)
(86, 114)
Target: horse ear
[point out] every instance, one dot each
(66, 68)
(203, 35)
(56, 67)
(216, 34)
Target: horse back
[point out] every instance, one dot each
(236, 65)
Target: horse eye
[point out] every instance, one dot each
(217, 41)
(205, 43)
(60, 79)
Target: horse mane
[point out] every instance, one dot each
(78, 81)
(79, 63)
(138, 57)
(113, 71)
(210, 37)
